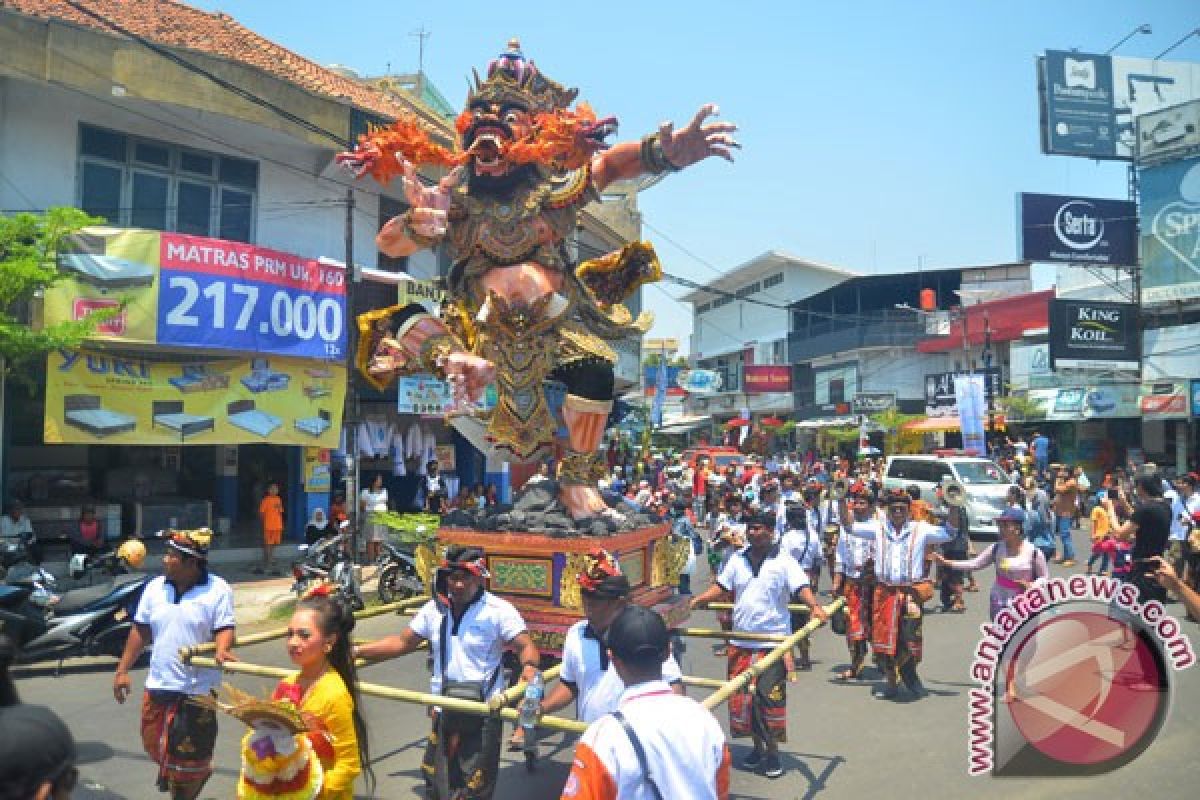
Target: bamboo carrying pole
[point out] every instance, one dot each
(719, 606)
(404, 695)
(708, 683)
(710, 633)
(400, 607)
(518, 691)
(740, 682)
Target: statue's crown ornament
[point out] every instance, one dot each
(514, 80)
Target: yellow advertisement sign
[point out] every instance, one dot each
(139, 399)
(317, 474)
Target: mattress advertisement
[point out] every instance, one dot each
(132, 399)
(194, 292)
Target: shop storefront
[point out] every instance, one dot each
(1092, 426)
(1166, 424)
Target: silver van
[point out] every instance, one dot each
(986, 484)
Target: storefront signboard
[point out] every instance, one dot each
(97, 397)
(1165, 400)
(194, 292)
(317, 475)
(423, 394)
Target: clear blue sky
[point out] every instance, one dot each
(874, 134)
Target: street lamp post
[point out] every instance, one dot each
(1128, 36)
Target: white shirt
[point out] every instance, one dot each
(598, 685)
(474, 649)
(1180, 508)
(12, 530)
(176, 622)
(372, 500)
(855, 550)
(804, 546)
(684, 746)
(900, 555)
(761, 601)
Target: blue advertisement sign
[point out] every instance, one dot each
(1080, 113)
(1077, 230)
(1195, 398)
(221, 295)
(1170, 231)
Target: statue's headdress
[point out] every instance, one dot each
(511, 79)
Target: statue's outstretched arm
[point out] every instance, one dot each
(666, 150)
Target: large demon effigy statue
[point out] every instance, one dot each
(519, 311)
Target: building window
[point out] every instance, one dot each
(772, 280)
(142, 183)
(747, 290)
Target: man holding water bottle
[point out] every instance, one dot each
(468, 629)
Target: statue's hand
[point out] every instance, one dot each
(428, 204)
(469, 372)
(698, 141)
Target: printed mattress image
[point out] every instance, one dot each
(315, 426)
(84, 411)
(244, 415)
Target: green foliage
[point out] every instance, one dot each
(29, 246)
(410, 528)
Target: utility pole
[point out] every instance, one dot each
(420, 34)
(350, 405)
(987, 377)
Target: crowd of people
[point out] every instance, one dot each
(772, 529)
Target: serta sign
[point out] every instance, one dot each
(1087, 335)
(1077, 230)
(1170, 195)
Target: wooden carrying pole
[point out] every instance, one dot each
(404, 696)
(736, 684)
(719, 606)
(710, 633)
(399, 607)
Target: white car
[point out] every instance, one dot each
(985, 483)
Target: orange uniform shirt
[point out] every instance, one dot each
(270, 510)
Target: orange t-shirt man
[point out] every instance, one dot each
(270, 511)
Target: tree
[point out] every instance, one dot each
(29, 245)
(895, 438)
(1020, 408)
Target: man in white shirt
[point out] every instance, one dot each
(802, 543)
(183, 607)
(761, 580)
(854, 572)
(16, 525)
(1184, 504)
(468, 629)
(655, 744)
(901, 588)
(587, 676)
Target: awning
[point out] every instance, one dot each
(683, 425)
(828, 422)
(942, 424)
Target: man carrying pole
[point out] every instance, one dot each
(854, 572)
(468, 629)
(588, 676)
(900, 590)
(762, 580)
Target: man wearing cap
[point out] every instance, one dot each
(817, 519)
(900, 589)
(854, 572)
(184, 607)
(37, 754)
(761, 579)
(468, 629)
(588, 676)
(654, 744)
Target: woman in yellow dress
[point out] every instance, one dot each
(326, 687)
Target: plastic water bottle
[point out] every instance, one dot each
(532, 702)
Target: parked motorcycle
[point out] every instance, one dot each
(329, 559)
(91, 621)
(398, 577)
(13, 551)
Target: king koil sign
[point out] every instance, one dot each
(1077, 230)
(1086, 335)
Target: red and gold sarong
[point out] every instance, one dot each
(891, 631)
(179, 736)
(858, 610)
(761, 709)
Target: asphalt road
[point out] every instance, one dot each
(842, 742)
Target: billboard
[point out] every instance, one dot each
(972, 408)
(759, 379)
(940, 400)
(194, 292)
(1105, 401)
(1077, 230)
(97, 397)
(1166, 400)
(1089, 102)
(1170, 133)
(423, 394)
(699, 381)
(1170, 231)
(1089, 335)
